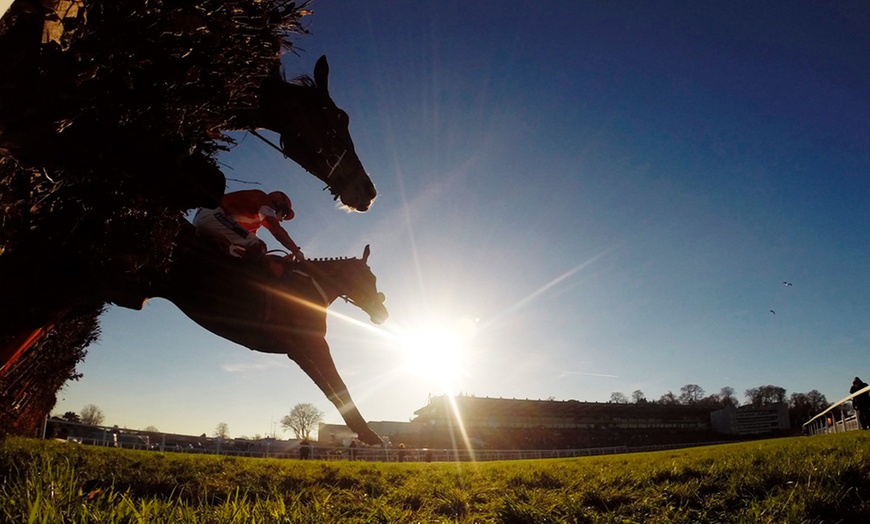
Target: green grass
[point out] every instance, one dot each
(809, 479)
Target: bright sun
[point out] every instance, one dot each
(438, 351)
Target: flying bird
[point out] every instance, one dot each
(772, 311)
(787, 283)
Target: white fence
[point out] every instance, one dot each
(377, 454)
(838, 418)
(161, 442)
(481, 455)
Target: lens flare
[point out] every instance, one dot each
(438, 351)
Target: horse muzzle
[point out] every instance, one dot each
(377, 312)
(379, 317)
(358, 194)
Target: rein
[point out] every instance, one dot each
(316, 286)
(264, 139)
(320, 290)
(332, 168)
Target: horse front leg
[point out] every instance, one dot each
(317, 363)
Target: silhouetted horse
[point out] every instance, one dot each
(245, 303)
(314, 133)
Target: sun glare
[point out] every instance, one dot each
(438, 351)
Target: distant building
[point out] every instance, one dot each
(499, 423)
(750, 420)
(506, 423)
(517, 413)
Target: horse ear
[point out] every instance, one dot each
(366, 252)
(321, 73)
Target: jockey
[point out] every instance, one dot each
(240, 215)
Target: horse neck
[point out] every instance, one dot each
(330, 276)
(275, 99)
(279, 101)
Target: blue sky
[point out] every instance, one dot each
(581, 197)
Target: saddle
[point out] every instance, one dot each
(246, 260)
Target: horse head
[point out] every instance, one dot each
(353, 280)
(363, 290)
(314, 133)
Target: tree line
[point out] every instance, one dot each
(302, 420)
(801, 406)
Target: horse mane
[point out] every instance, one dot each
(331, 259)
(302, 81)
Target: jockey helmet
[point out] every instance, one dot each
(282, 204)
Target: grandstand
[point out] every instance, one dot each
(499, 423)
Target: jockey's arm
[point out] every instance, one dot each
(274, 226)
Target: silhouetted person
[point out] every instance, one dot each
(401, 452)
(861, 403)
(241, 214)
(353, 449)
(304, 449)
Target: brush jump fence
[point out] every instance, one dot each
(838, 418)
(75, 433)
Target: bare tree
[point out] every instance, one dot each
(817, 400)
(92, 415)
(618, 398)
(669, 399)
(803, 406)
(726, 397)
(638, 397)
(765, 395)
(222, 430)
(711, 401)
(691, 394)
(302, 420)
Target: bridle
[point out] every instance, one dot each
(372, 301)
(368, 305)
(337, 162)
(334, 187)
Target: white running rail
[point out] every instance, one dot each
(834, 419)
